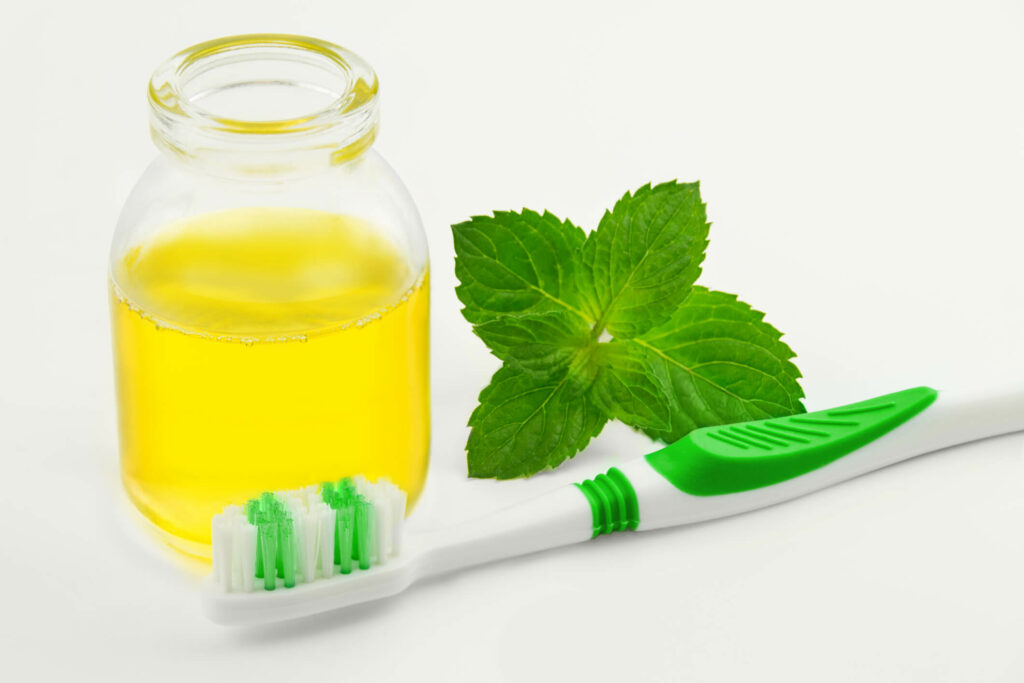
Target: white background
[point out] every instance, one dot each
(863, 166)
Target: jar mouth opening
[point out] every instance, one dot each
(264, 90)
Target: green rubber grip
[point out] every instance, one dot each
(732, 458)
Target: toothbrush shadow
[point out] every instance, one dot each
(359, 616)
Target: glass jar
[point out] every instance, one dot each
(269, 288)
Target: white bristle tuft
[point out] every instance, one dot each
(310, 540)
(327, 517)
(360, 483)
(231, 537)
(383, 518)
(398, 501)
(221, 549)
(247, 553)
(371, 524)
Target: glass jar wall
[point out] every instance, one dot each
(269, 288)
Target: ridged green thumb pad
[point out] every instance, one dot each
(751, 455)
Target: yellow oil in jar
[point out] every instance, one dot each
(265, 348)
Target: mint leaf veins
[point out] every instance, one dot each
(608, 325)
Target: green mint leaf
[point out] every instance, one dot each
(719, 362)
(626, 387)
(545, 298)
(517, 263)
(640, 262)
(542, 343)
(525, 424)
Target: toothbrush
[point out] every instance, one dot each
(324, 548)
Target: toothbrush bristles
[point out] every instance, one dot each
(284, 538)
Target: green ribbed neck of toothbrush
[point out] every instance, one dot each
(741, 457)
(613, 502)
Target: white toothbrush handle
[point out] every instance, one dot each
(951, 420)
(560, 517)
(601, 505)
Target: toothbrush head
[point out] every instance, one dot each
(282, 539)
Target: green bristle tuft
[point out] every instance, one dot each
(275, 540)
(268, 543)
(345, 500)
(343, 543)
(363, 511)
(287, 552)
(252, 511)
(330, 496)
(279, 524)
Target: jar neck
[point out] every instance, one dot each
(264, 106)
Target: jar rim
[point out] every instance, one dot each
(345, 126)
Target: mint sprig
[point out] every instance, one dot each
(608, 325)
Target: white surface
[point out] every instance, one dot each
(863, 168)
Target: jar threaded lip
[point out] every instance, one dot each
(264, 101)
